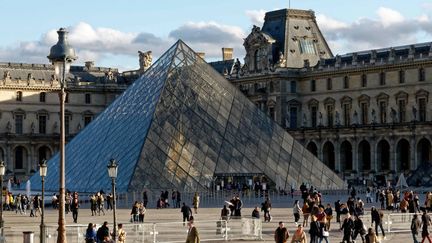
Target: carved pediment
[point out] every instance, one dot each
(422, 94)
(312, 102)
(294, 102)
(401, 95)
(382, 97)
(257, 38)
(329, 101)
(346, 99)
(364, 98)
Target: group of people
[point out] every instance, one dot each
(97, 203)
(103, 234)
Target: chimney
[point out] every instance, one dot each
(201, 54)
(227, 53)
(89, 64)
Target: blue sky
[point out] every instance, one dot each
(111, 32)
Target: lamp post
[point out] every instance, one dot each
(61, 56)
(42, 172)
(112, 172)
(2, 173)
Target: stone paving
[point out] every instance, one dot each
(15, 224)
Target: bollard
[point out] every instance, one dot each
(28, 236)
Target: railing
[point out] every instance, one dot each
(211, 230)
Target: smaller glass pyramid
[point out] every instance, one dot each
(177, 126)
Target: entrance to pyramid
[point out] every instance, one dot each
(243, 182)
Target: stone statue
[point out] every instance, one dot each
(355, 117)
(32, 127)
(145, 60)
(8, 127)
(281, 62)
(304, 120)
(6, 75)
(109, 76)
(393, 115)
(414, 111)
(237, 66)
(337, 118)
(320, 118)
(373, 116)
(255, 28)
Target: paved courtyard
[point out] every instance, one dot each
(15, 224)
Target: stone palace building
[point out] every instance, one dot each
(364, 114)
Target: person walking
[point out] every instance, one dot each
(141, 210)
(266, 207)
(329, 215)
(135, 212)
(347, 227)
(93, 204)
(415, 226)
(314, 229)
(109, 200)
(377, 219)
(359, 229)
(281, 234)
(74, 207)
(193, 235)
(297, 211)
(426, 222)
(225, 212)
(196, 201)
(299, 235)
(100, 203)
(187, 212)
(121, 234)
(90, 236)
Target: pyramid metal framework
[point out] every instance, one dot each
(175, 127)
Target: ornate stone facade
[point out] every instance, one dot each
(363, 114)
(29, 109)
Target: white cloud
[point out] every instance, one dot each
(256, 16)
(388, 28)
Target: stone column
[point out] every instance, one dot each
(337, 156)
(413, 158)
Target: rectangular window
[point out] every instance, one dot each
(329, 84)
(402, 110)
(307, 46)
(382, 78)
(330, 115)
(422, 75)
(87, 98)
(364, 113)
(293, 86)
(314, 111)
(42, 97)
(67, 124)
(346, 82)
(313, 85)
(42, 124)
(364, 80)
(19, 124)
(293, 117)
(87, 120)
(422, 109)
(347, 114)
(401, 76)
(383, 111)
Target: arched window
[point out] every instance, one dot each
(19, 96)
(42, 97)
(19, 157)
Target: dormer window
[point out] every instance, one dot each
(19, 96)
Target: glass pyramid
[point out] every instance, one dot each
(175, 127)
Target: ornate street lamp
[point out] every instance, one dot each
(43, 172)
(61, 56)
(2, 173)
(112, 172)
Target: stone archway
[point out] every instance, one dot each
(312, 148)
(364, 156)
(346, 158)
(20, 158)
(329, 155)
(403, 152)
(423, 151)
(383, 155)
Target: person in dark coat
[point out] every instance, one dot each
(359, 229)
(281, 234)
(102, 233)
(314, 230)
(426, 222)
(377, 218)
(347, 227)
(186, 211)
(74, 207)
